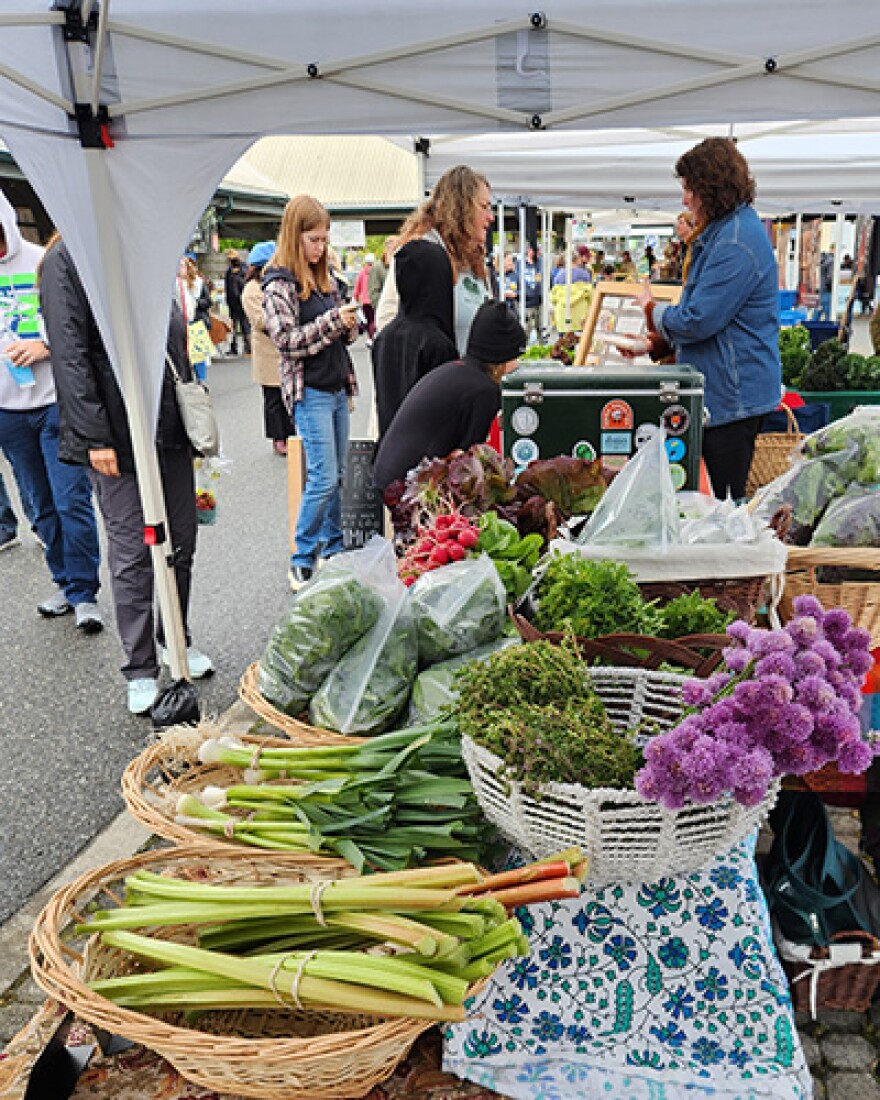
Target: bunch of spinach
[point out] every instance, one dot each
(325, 619)
(532, 705)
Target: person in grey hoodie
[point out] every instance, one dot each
(58, 498)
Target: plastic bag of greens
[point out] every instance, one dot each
(370, 686)
(809, 487)
(326, 617)
(639, 507)
(851, 520)
(435, 690)
(858, 435)
(457, 608)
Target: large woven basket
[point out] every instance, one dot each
(771, 454)
(843, 976)
(625, 838)
(282, 1054)
(156, 777)
(300, 732)
(860, 598)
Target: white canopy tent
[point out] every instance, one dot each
(125, 114)
(805, 168)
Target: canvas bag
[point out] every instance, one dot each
(197, 413)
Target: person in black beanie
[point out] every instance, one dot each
(453, 406)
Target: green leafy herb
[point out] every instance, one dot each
(693, 614)
(532, 705)
(591, 598)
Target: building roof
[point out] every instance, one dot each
(347, 174)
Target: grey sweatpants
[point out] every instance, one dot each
(129, 558)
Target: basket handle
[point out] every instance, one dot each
(857, 935)
(793, 428)
(856, 557)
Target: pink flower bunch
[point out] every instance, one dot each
(787, 702)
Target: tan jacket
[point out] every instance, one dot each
(265, 358)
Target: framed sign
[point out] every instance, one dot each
(614, 313)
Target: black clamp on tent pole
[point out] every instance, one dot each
(93, 126)
(75, 29)
(422, 145)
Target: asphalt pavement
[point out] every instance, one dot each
(65, 732)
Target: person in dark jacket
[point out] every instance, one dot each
(234, 281)
(94, 433)
(422, 335)
(454, 405)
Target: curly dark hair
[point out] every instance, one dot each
(718, 174)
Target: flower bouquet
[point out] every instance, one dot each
(207, 474)
(787, 703)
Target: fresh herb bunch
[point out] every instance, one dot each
(591, 598)
(692, 613)
(532, 705)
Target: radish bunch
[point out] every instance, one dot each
(449, 538)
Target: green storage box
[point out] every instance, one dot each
(549, 410)
(841, 402)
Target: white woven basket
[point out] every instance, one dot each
(625, 838)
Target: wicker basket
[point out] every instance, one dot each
(625, 838)
(156, 777)
(300, 732)
(741, 595)
(860, 598)
(700, 653)
(771, 454)
(843, 976)
(282, 1054)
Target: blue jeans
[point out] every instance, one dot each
(8, 519)
(60, 498)
(322, 424)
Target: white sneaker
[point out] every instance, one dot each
(53, 607)
(141, 695)
(200, 664)
(88, 618)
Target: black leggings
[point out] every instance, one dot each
(728, 453)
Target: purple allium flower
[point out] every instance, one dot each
(739, 630)
(803, 631)
(736, 658)
(828, 653)
(851, 695)
(810, 606)
(854, 756)
(737, 733)
(856, 638)
(836, 623)
(776, 664)
(815, 693)
(808, 663)
(797, 722)
(859, 663)
(763, 642)
(695, 693)
(838, 721)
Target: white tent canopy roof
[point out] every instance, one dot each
(829, 168)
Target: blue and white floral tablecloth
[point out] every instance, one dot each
(669, 990)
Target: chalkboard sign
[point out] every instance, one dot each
(363, 514)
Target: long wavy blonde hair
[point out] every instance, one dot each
(301, 215)
(450, 210)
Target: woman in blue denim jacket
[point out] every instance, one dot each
(726, 323)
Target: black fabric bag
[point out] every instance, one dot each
(815, 886)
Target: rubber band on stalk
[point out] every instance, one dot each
(255, 758)
(315, 893)
(229, 829)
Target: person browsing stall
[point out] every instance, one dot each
(453, 406)
(311, 327)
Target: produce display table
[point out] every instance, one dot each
(659, 991)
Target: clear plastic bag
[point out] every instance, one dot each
(722, 522)
(435, 690)
(370, 686)
(639, 507)
(457, 608)
(808, 487)
(327, 616)
(858, 435)
(208, 474)
(851, 520)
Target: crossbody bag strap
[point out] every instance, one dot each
(174, 372)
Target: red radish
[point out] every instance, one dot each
(439, 556)
(425, 545)
(456, 551)
(468, 539)
(444, 521)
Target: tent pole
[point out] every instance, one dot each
(500, 249)
(797, 251)
(569, 232)
(140, 422)
(838, 246)
(522, 264)
(546, 268)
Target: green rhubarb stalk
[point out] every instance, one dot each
(339, 993)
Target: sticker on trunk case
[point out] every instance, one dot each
(524, 420)
(617, 415)
(524, 451)
(584, 449)
(676, 419)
